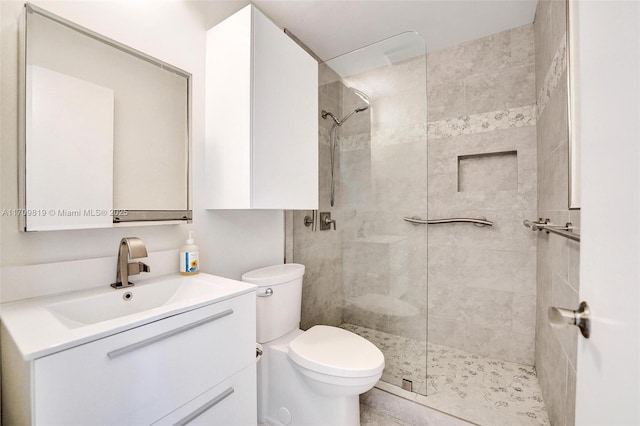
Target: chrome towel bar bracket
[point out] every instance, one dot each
(482, 221)
(545, 225)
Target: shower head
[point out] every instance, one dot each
(339, 123)
(355, 111)
(332, 136)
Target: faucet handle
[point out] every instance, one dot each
(135, 268)
(326, 221)
(330, 222)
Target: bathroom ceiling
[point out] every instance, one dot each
(333, 27)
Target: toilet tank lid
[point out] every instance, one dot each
(274, 275)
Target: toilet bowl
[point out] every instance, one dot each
(335, 361)
(308, 377)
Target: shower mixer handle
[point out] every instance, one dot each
(326, 221)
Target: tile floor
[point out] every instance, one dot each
(475, 388)
(371, 417)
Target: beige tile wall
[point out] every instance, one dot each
(321, 251)
(558, 258)
(482, 281)
(383, 178)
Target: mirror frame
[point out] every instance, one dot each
(133, 216)
(573, 139)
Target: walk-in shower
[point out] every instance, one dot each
(428, 260)
(370, 275)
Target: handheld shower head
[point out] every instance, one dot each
(355, 111)
(332, 136)
(339, 123)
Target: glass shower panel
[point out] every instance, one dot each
(374, 103)
(372, 276)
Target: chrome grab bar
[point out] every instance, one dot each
(482, 221)
(141, 344)
(545, 225)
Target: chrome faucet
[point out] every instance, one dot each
(133, 248)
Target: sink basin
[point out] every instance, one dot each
(128, 301)
(45, 325)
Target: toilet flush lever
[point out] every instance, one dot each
(268, 292)
(560, 317)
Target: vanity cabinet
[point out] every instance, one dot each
(261, 117)
(197, 367)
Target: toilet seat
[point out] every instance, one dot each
(336, 352)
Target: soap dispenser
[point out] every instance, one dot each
(189, 257)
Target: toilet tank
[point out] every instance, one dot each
(277, 309)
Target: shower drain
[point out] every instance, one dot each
(407, 385)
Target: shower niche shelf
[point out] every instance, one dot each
(494, 171)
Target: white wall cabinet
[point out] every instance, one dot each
(261, 117)
(204, 373)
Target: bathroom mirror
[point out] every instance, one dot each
(105, 130)
(573, 104)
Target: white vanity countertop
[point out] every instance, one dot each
(38, 329)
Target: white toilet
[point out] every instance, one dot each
(311, 377)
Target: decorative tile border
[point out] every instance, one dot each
(484, 122)
(323, 135)
(381, 136)
(456, 126)
(555, 72)
(414, 133)
(354, 142)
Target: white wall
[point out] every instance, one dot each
(231, 242)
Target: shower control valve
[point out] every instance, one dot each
(326, 221)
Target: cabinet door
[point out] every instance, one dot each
(285, 121)
(232, 402)
(228, 113)
(140, 375)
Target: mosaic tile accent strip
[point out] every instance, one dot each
(484, 122)
(555, 72)
(323, 135)
(354, 142)
(415, 133)
(476, 388)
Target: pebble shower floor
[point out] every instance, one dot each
(475, 388)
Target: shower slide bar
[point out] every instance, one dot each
(545, 225)
(482, 221)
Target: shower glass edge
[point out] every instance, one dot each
(380, 173)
